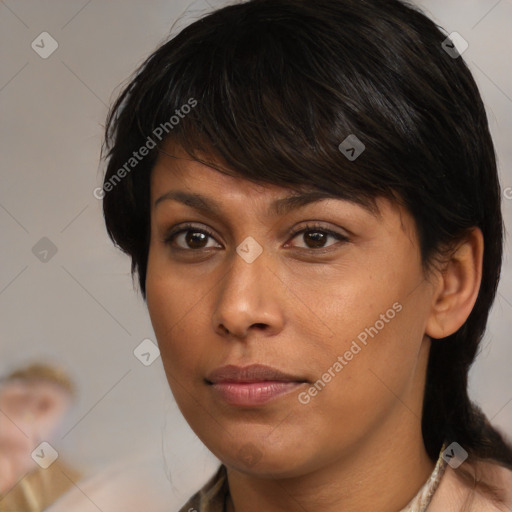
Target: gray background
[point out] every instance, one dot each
(79, 308)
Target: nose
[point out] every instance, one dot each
(249, 299)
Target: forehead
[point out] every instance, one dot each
(177, 176)
(175, 167)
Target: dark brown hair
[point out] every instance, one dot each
(279, 84)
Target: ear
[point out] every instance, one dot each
(457, 287)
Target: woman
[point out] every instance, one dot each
(306, 189)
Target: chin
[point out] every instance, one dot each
(261, 459)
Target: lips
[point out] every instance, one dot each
(252, 373)
(251, 385)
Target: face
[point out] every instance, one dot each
(329, 295)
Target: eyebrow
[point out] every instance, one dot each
(278, 207)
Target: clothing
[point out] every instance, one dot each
(213, 495)
(40, 488)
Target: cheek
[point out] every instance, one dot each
(382, 371)
(341, 309)
(368, 386)
(165, 310)
(176, 308)
(372, 352)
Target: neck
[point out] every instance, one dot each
(383, 472)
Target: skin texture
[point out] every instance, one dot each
(355, 445)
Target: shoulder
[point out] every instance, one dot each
(480, 487)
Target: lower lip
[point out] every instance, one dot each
(253, 393)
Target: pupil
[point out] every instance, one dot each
(317, 239)
(193, 237)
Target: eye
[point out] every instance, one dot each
(189, 237)
(316, 237)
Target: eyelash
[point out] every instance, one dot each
(169, 238)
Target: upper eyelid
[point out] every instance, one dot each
(330, 232)
(174, 232)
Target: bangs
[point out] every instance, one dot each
(269, 106)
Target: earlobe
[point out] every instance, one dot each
(457, 289)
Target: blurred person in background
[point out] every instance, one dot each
(33, 401)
